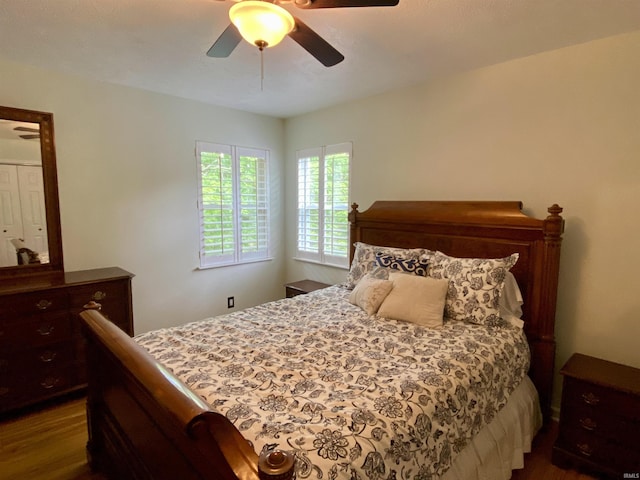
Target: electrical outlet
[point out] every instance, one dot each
(230, 302)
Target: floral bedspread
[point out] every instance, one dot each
(355, 397)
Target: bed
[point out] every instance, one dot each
(350, 394)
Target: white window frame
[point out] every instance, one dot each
(306, 238)
(236, 255)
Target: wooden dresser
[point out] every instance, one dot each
(599, 418)
(41, 349)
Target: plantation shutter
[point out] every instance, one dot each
(309, 218)
(217, 229)
(233, 203)
(323, 204)
(253, 204)
(336, 203)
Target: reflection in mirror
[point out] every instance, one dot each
(23, 227)
(30, 237)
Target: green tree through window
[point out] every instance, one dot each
(323, 204)
(233, 204)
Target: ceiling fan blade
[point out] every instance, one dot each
(29, 137)
(346, 3)
(315, 44)
(226, 43)
(26, 129)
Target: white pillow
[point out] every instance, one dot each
(415, 299)
(369, 293)
(510, 305)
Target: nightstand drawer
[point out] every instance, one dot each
(601, 423)
(582, 393)
(599, 450)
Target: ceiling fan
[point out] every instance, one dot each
(265, 23)
(33, 132)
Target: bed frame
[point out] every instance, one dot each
(145, 424)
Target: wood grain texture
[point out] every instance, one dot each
(46, 445)
(50, 445)
(41, 350)
(599, 417)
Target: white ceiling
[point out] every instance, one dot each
(160, 45)
(8, 130)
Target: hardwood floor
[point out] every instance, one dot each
(46, 445)
(537, 464)
(49, 445)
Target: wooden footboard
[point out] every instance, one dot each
(144, 423)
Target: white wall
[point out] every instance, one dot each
(20, 151)
(127, 181)
(560, 127)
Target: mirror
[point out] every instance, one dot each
(30, 237)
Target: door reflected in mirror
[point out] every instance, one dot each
(23, 227)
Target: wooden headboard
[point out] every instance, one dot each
(483, 230)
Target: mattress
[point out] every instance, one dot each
(356, 396)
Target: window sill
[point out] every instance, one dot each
(222, 265)
(315, 262)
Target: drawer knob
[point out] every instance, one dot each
(590, 399)
(46, 329)
(50, 382)
(43, 304)
(588, 424)
(48, 356)
(92, 305)
(584, 449)
(97, 296)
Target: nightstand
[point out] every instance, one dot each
(303, 286)
(599, 418)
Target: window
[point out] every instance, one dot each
(233, 203)
(323, 204)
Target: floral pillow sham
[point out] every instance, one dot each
(475, 285)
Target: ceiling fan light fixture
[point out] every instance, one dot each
(261, 23)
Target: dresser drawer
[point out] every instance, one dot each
(33, 303)
(105, 293)
(112, 296)
(35, 385)
(15, 364)
(35, 331)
